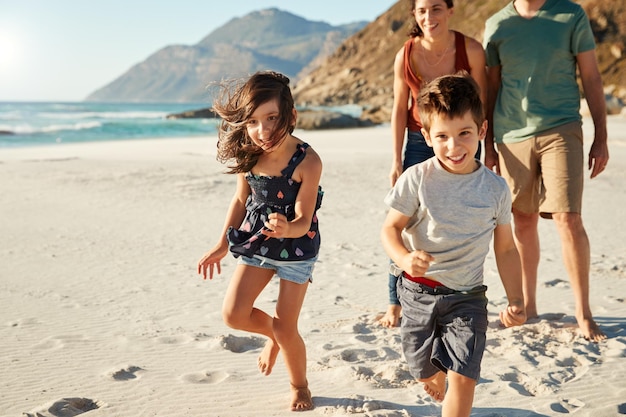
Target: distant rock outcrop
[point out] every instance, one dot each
(307, 119)
(322, 119)
(266, 39)
(361, 69)
(194, 114)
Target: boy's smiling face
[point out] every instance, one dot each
(455, 141)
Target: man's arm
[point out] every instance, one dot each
(594, 94)
(493, 86)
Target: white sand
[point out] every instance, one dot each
(101, 306)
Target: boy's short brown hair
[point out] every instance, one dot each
(450, 96)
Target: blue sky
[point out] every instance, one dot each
(62, 50)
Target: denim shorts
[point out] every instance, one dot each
(294, 271)
(442, 329)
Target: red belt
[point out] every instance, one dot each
(421, 280)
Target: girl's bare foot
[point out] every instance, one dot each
(391, 317)
(301, 398)
(436, 386)
(267, 358)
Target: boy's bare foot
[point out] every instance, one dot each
(436, 386)
(301, 398)
(267, 358)
(590, 330)
(391, 317)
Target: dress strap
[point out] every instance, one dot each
(295, 160)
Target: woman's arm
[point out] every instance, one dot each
(399, 115)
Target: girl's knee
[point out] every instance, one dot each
(233, 318)
(285, 332)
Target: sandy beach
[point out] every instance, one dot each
(102, 312)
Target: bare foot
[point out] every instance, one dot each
(301, 398)
(531, 312)
(436, 386)
(590, 330)
(391, 317)
(267, 358)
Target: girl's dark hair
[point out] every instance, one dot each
(415, 28)
(236, 103)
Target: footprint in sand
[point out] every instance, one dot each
(567, 406)
(207, 377)
(126, 374)
(557, 283)
(67, 407)
(359, 405)
(361, 355)
(237, 344)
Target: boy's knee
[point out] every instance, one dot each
(460, 380)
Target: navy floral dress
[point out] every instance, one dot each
(275, 195)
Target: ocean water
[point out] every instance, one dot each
(30, 124)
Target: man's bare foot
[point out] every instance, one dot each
(301, 398)
(590, 330)
(436, 386)
(267, 358)
(391, 317)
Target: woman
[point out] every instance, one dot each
(433, 50)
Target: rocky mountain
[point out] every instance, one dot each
(360, 70)
(266, 39)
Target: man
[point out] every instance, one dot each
(533, 48)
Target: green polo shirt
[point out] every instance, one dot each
(537, 56)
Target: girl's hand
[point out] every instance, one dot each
(514, 315)
(276, 226)
(416, 263)
(210, 260)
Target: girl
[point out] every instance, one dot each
(431, 51)
(271, 224)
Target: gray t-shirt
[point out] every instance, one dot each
(452, 217)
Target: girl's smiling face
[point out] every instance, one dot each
(262, 124)
(455, 141)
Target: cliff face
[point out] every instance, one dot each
(361, 69)
(259, 40)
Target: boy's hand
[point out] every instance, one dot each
(514, 315)
(416, 263)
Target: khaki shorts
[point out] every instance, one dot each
(545, 173)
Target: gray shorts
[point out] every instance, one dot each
(442, 329)
(294, 271)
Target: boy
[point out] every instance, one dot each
(443, 213)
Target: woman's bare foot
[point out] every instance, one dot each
(267, 358)
(301, 398)
(436, 386)
(590, 330)
(391, 317)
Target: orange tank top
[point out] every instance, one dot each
(414, 81)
